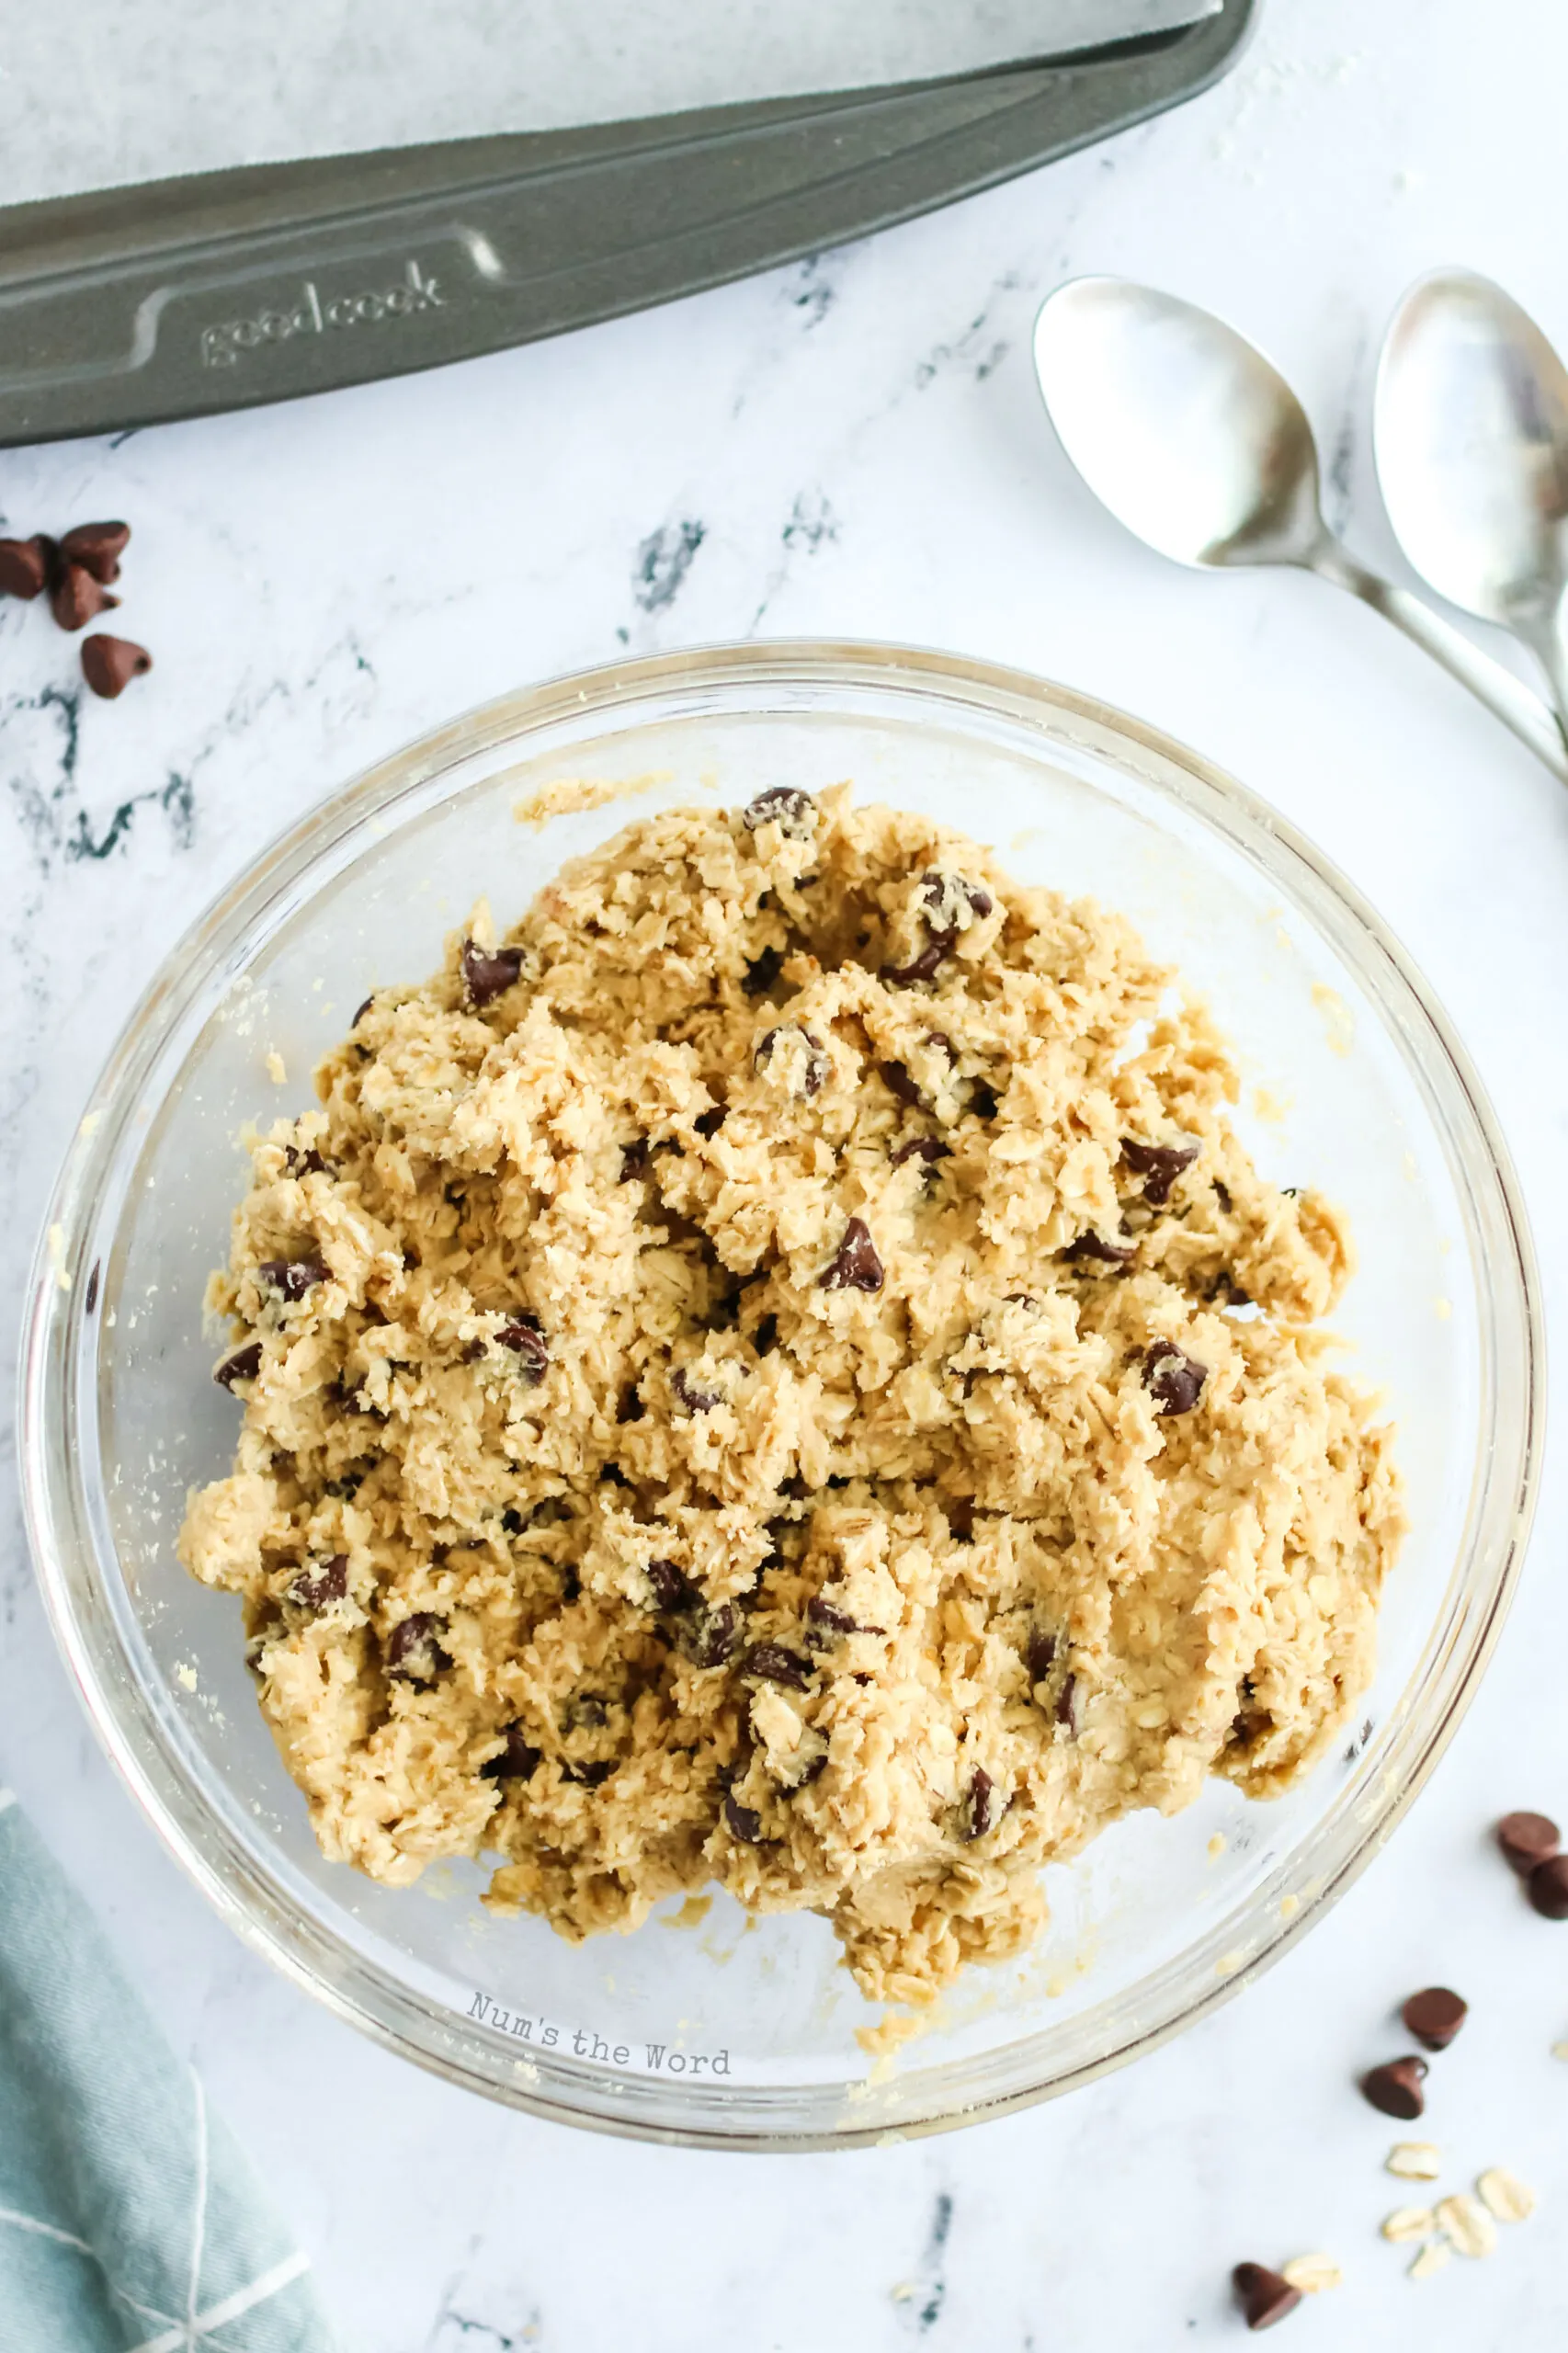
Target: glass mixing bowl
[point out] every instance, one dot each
(716, 2030)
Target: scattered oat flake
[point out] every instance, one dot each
(276, 1069)
(1505, 2195)
(1466, 2223)
(1217, 1845)
(1414, 2160)
(1432, 2258)
(186, 1677)
(1311, 2273)
(1409, 2222)
(904, 2293)
(1229, 1963)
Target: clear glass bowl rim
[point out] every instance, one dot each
(75, 1575)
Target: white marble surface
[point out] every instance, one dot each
(855, 445)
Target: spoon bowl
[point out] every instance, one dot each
(1178, 425)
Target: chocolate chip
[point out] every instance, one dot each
(1263, 2295)
(109, 664)
(696, 1399)
(1435, 2016)
(96, 547)
(795, 1487)
(243, 1365)
(25, 566)
(518, 1760)
(790, 811)
(590, 1775)
(771, 1663)
(977, 1811)
(764, 1339)
(741, 1822)
(762, 972)
(489, 974)
(1067, 1705)
(944, 1045)
(1160, 1163)
(634, 1160)
(708, 1123)
(513, 1522)
(716, 1640)
(1174, 1380)
(291, 1278)
(673, 1589)
(414, 1655)
(528, 1345)
(1528, 1840)
(834, 1620)
(1395, 2089)
(588, 1709)
(945, 895)
(930, 1149)
(1039, 1654)
(857, 1266)
(303, 1163)
(1090, 1245)
(814, 1772)
(896, 1079)
(1548, 1888)
(923, 966)
(75, 598)
(327, 1583)
(817, 1063)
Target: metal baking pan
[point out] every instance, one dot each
(184, 297)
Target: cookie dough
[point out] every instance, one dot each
(777, 1371)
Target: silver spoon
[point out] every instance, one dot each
(1471, 430)
(1195, 442)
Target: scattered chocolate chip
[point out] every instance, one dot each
(109, 664)
(814, 1772)
(414, 1655)
(472, 1351)
(673, 1589)
(791, 812)
(303, 1163)
(1395, 2089)
(243, 1365)
(766, 1337)
(75, 598)
(528, 1345)
(1548, 1888)
(741, 1822)
(930, 1149)
(365, 1009)
(1159, 1163)
(977, 1811)
(1090, 1245)
(1528, 1840)
(982, 1099)
(291, 1278)
(518, 1760)
(590, 1775)
(512, 1522)
(327, 1583)
(696, 1399)
(944, 1045)
(91, 1299)
(716, 1640)
(856, 1265)
(1067, 1705)
(1222, 1197)
(25, 566)
(1263, 2295)
(762, 972)
(588, 1709)
(896, 1079)
(923, 966)
(1039, 1654)
(708, 1123)
(771, 1663)
(946, 895)
(96, 547)
(816, 1065)
(1435, 2016)
(795, 1487)
(634, 1160)
(487, 975)
(1174, 1380)
(834, 1620)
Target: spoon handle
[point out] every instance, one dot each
(1488, 681)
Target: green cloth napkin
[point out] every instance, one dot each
(129, 2221)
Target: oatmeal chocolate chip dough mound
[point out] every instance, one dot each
(777, 1371)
